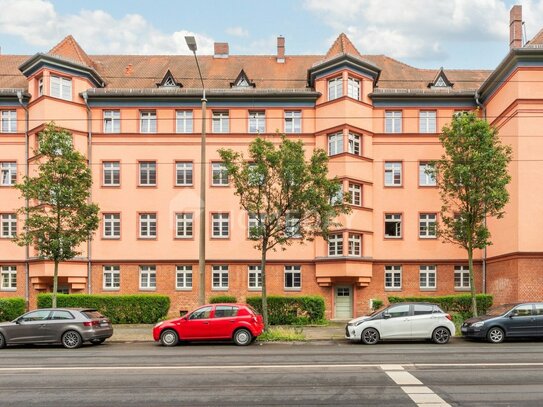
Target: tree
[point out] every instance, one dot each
(285, 195)
(472, 178)
(59, 217)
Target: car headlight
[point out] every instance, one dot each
(478, 324)
(359, 323)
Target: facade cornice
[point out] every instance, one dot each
(343, 61)
(423, 97)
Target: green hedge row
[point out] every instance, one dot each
(11, 308)
(217, 299)
(120, 309)
(460, 304)
(288, 310)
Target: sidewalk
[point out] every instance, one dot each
(144, 333)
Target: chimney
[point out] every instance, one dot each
(515, 27)
(281, 49)
(221, 50)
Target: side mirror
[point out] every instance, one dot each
(386, 315)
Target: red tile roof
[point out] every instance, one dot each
(68, 48)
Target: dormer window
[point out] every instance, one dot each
(242, 81)
(169, 81)
(61, 87)
(440, 81)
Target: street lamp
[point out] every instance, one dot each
(191, 43)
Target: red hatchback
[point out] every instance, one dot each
(238, 322)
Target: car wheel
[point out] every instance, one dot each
(2, 342)
(370, 336)
(441, 335)
(169, 338)
(71, 340)
(97, 341)
(242, 337)
(495, 335)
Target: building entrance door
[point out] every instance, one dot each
(343, 302)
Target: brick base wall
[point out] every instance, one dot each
(515, 280)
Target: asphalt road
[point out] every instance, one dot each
(312, 374)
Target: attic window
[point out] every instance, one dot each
(169, 82)
(440, 83)
(242, 81)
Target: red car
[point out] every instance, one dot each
(238, 322)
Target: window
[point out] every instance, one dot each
(147, 225)
(335, 144)
(9, 121)
(201, 313)
(293, 122)
(461, 277)
(398, 311)
(393, 277)
(112, 121)
(427, 276)
(220, 122)
(112, 173)
(9, 278)
(147, 277)
(220, 225)
(183, 173)
(335, 245)
(393, 225)
(8, 173)
(292, 225)
(148, 121)
(424, 309)
(183, 225)
(225, 311)
(40, 86)
(147, 173)
(393, 122)
(354, 144)
(220, 277)
(183, 277)
(112, 225)
(393, 174)
(61, 315)
(183, 120)
(523, 310)
(355, 244)
(427, 176)
(257, 122)
(253, 224)
(112, 277)
(255, 278)
(219, 174)
(61, 87)
(256, 174)
(335, 88)
(337, 198)
(9, 225)
(353, 88)
(355, 192)
(293, 277)
(427, 121)
(427, 225)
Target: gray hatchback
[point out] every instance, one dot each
(68, 326)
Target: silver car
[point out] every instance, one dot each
(402, 321)
(68, 326)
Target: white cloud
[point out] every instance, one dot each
(38, 23)
(237, 31)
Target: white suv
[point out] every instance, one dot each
(402, 321)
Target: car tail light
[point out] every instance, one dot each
(448, 316)
(91, 323)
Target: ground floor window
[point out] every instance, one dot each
(220, 277)
(293, 277)
(112, 277)
(183, 277)
(427, 277)
(147, 277)
(9, 278)
(461, 277)
(255, 278)
(393, 277)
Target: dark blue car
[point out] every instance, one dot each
(506, 321)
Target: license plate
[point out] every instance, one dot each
(104, 324)
(464, 329)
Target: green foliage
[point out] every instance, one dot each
(283, 334)
(120, 309)
(459, 304)
(217, 299)
(11, 308)
(291, 310)
(376, 304)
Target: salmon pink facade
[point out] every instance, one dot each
(138, 119)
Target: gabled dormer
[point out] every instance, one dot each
(242, 81)
(169, 81)
(440, 81)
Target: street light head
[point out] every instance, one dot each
(191, 43)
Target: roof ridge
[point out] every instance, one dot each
(69, 48)
(342, 45)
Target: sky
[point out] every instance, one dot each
(455, 34)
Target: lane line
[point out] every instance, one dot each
(403, 378)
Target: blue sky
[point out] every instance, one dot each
(424, 33)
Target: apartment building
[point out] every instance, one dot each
(138, 119)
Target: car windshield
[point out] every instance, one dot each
(378, 310)
(499, 310)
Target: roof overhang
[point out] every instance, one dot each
(10, 96)
(423, 97)
(340, 62)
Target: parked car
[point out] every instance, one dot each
(521, 320)
(238, 322)
(402, 321)
(68, 326)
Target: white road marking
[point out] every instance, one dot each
(392, 367)
(403, 378)
(416, 389)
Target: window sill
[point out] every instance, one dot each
(111, 289)
(429, 289)
(462, 289)
(8, 290)
(219, 289)
(184, 289)
(147, 289)
(254, 289)
(293, 289)
(393, 289)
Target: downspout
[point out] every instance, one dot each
(483, 109)
(89, 158)
(27, 171)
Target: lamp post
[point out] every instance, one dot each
(191, 43)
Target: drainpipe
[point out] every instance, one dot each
(483, 109)
(27, 248)
(89, 157)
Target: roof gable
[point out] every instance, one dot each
(242, 81)
(440, 81)
(342, 45)
(68, 48)
(169, 81)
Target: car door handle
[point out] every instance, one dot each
(205, 323)
(232, 320)
(43, 326)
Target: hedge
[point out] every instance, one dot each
(120, 309)
(11, 308)
(460, 304)
(217, 299)
(289, 310)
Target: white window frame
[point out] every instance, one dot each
(394, 218)
(293, 121)
(147, 171)
(355, 245)
(220, 225)
(184, 122)
(257, 121)
(427, 225)
(111, 173)
(64, 90)
(335, 88)
(394, 276)
(292, 225)
(252, 221)
(427, 121)
(254, 277)
(335, 144)
(8, 173)
(40, 86)
(111, 277)
(426, 180)
(148, 121)
(9, 276)
(353, 88)
(147, 277)
(426, 275)
(461, 273)
(112, 222)
(393, 121)
(335, 245)
(9, 121)
(8, 225)
(183, 277)
(296, 277)
(393, 174)
(184, 222)
(184, 172)
(220, 277)
(355, 192)
(220, 122)
(112, 121)
(219, 174)
(354, 144)
(148, 226)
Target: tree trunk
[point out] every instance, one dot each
(472, 282)
(264, 295)
(55, 286)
